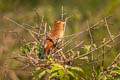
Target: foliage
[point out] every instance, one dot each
(53, 70)
(109, 74)
(57, 71)
(31, 48)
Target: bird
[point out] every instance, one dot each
(55, 35)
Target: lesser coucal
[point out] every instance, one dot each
(54, 36)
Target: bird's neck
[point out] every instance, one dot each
(58, 27)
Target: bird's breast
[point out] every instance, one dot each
(58, 33)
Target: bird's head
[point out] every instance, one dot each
(59, 22)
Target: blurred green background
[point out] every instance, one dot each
(80, 10)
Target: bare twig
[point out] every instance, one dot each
(28, 25)
(91, 48)
(41, 24)
(110, 67)
(85, 54)
(44, 39)
(3, 45)
(20, 25)
(31, 60)
(62, 13)
(22, 68)
(64, 55)
(34, 37)
(103, 51)
(102, 20)
(66, 23)
(37, 18)
(74, 47)
(106, 24)
(114, 61)
(21, 38)
(96, 59)
(40, 28)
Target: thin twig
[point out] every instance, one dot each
(41, 23)
(114, 61)
(110, 67)
(102, 20)
(62, 17)
(37, 16)
(91, 48)
(85, 54)
(103, 51)
(96, 59)
(28, 25)
(34, 37)
(66, 23)
(20, 25)
(22, 39)
(62, 14)
(65, 44)
(106, 24)
(44, 39)
(74, 47)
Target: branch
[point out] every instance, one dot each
(102, 20)
(11, 20)
(44, 39)
(34, 37)
(114, 62)
(74, 47)
(106, 24)
(85, 54)
(91, 48)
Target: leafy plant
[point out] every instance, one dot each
(58, 71)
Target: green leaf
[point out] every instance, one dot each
(102, 77)
(53, 75)
(85, 57)
(38, 68)
(115, 72)
(41, 74)
(72, 74)
(61, 73)
(74, 68)
(54, 69)
(87, 47)
(104, 40)
(23, 51)
(58, 65)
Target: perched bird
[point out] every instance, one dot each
(54, 36)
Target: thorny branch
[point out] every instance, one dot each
(85, 54)
(11, 20)
(44, 38)
(106, 24)
(98, 56)
(101, 21)
(92, 55)
(114, 61)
